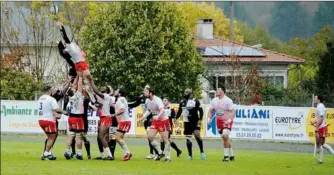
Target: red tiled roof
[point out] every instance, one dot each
(270, 56)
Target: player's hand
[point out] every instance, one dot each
(141, 119)
(59, 24)
(199, 123)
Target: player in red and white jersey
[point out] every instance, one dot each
(105, 117)
(224, 109)
(75, 108)
(47, 105)
(159, 124)
(321, 129)
(124, 122)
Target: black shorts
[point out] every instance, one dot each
(190, 127)
(114, 122)
(147, 123)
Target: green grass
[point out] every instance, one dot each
(24, 158)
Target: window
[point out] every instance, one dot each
(277, 81)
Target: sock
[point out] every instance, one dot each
(79, 152)
(87, 146)
(162, 145)
(108, 151)
(124, 147)
(321, 153)
(102, 154)
(189, 146)
(200, 143)
(46, 153)
(73, 145)
(329, 148)
(174, 146)
(226, 151)
(231, 154)
(151, 147)
(68, 151)
(99, 143)
(156, 145)
(167, 150)
(112, 146)
(46, 141)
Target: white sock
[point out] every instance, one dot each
(79, 152)
(124, 147)
(226, 151)
(321, 153)
(108, 151)
(46, 153)
(156, 145)
(68, 151)
(167, 150)
(102, 155)
(231, 154)
(329, 148)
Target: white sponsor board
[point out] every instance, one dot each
(290, 124)
(250, 122)
(19, 117)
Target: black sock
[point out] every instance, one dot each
(99, 143)
(73, 145)
(46, 141)
(189, 146)
(162, 145)
(151, 147)
(200, 143)
(87, 145)
(173, 145)
(112, 146)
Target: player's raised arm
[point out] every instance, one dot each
(80, 86)
(63, 32)
(96, 91)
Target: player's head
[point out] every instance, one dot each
(47, 89)
(70, 92)
(187, 93)
(119, 92)
(149, 92)
(108, 90)
(318, 99)
(165, 101)
(220, 91)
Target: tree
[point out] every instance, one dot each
(194, 11)
(290, 20)
(323, 16)
(18, 85)
(325, 74)
(26, 26)
(138, 43)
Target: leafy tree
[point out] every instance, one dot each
(323, 16)
(194, 11)
(325, 74)
(290, 20)
(138, 43)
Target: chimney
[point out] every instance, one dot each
(205, 29)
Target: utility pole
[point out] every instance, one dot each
(231, 20)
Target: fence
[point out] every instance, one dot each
(287, 124)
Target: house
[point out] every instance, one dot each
(219, 55)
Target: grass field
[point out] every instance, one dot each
(24, 158)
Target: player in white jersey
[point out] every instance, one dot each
(124, 122)
(160, 123)
(75, 108)
(47, 105)
(320, 127)
(224, 110)
(105, 117)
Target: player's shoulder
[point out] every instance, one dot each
(321, 106)
(228, 99)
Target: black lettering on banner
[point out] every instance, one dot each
(248, 135)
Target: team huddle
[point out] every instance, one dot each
(80, 93)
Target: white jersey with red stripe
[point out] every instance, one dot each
(106, 101)
(46, 106)
(75, 104)
(321, 111)
(155, 105)
(122, 103)
(75, 52)
(222, 107)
